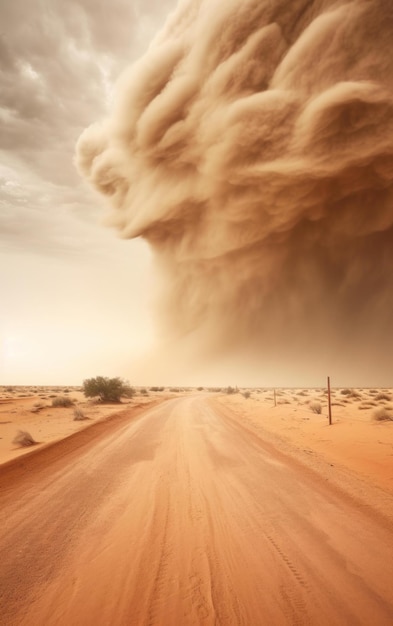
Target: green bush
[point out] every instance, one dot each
(107, 389)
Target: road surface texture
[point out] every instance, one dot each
(179, 516)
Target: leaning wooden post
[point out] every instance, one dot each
(329, 401)
(275, 399)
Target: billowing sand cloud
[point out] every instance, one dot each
(252, 146)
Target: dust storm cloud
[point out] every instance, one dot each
(252, 147)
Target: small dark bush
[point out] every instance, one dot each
(316, 407)
(247, 394)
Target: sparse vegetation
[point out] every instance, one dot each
(316, 407)
(351, 393)
(247, 394)
(383, 396)
(107, 389)
(24, 439)
(61, 401)
(38, 406)
(230, 390)
(79, 416)
(383, 414)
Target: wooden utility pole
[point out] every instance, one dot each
(329, 401)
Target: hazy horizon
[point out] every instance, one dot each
(242, 151)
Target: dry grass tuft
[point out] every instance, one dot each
(383, 396)
(62, 401)
(316, 407)
(24, 439)
(79, 416)
(383, 414)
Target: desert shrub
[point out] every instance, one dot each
(382, 396)
(247, 394)
(37, 407)
(174, 389)
(230, 390)
(61, 401)
(382, 414)
(79, 416)
(316, 407)
(154, 389)
(107, 389)
(24, 439)
(345, 392)
(200, 388)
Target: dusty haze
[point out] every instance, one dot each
(252, 147)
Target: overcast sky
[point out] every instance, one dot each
(74, 298)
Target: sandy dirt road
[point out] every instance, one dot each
(183, 517)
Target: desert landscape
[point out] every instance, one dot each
(196, 196)
(197, 506)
